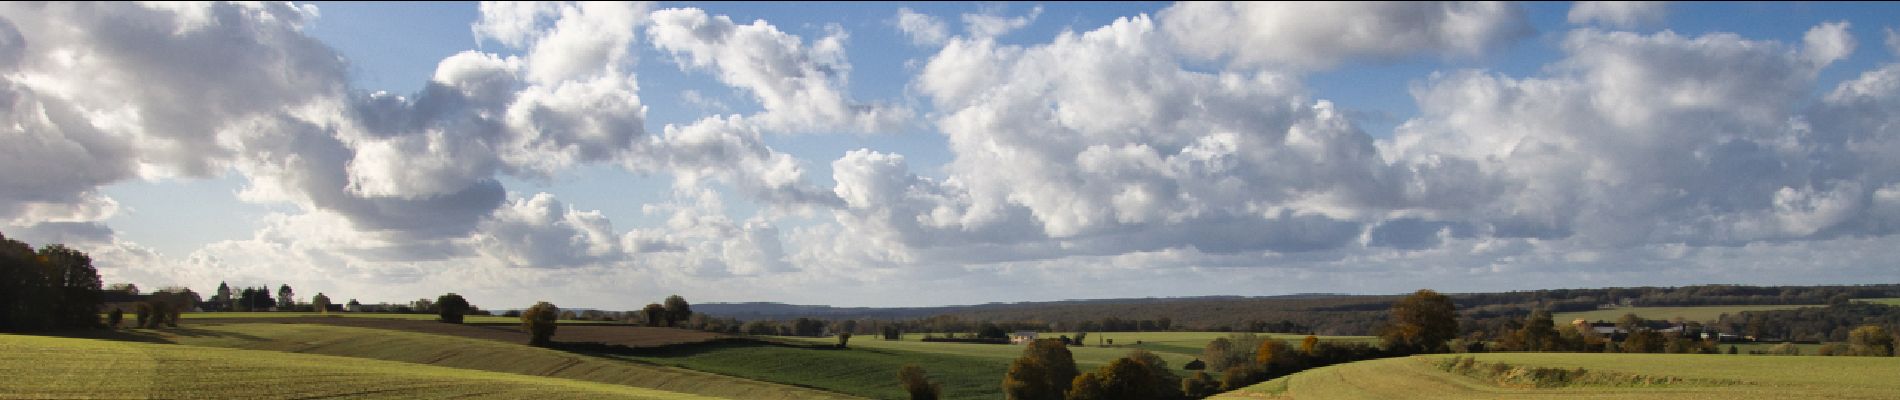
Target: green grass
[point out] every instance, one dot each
(967, 370)
(471, 354)
(1892, 301)
(415, 317)
(1706, 313)
(861, 370)
(1759, 377)
(48, 367)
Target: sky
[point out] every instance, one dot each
(895, 154)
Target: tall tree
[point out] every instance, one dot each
(285, 299)
(1044, 372)
(677, 310)
(540, 321)
(74, 284)
(451, 307)
(1422, 322)
(1539, 332)
(321, 303)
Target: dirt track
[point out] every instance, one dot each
(614, 335)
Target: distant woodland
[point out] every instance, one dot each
(1319, 314)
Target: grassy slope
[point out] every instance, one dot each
(861, 370)
(968, 371)
(474, 354)
(1763, 378)
(47, 367)
(1706, 313)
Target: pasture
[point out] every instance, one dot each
(470, 354)
(472, 319)
(1704, 377)
(1704, 313)
(51, 367)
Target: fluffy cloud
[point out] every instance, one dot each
(1124, 149)
(922, 29)
(1639, 139)
(801, 88)
(1619, 14)
(1138, 158)
(542, 232)
(98, 93)
(991, 25)
(1314, 35)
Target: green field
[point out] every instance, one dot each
(473, 319)
(49, 367)
(1892, 301)
(471, 354)
(862, 370)
(1707, 313)
(1749, 377)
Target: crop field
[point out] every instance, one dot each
(622, 335)
(1703, 377)
(49, 367)
(473, 319)
(472, 354)
(1706, 313)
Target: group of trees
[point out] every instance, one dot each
(1833, 323)
(52, 288)
(1538, 333)
(1422, 322)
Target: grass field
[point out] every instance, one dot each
(419, 317)
(471, 354)
(967, 370)
(49, 367)
(1755, 377)
(861, 370)
(1707, 313)
(1892, 301)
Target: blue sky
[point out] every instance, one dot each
(1217, 148)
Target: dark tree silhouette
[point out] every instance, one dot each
(451, 307)
(677, 310)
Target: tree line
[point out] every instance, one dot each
(54, 287)
(1856, 330)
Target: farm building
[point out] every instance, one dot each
(1022, 337)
